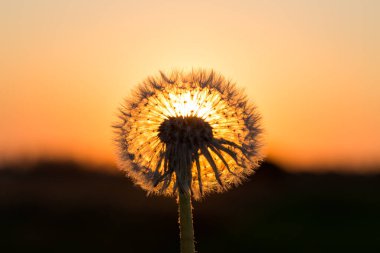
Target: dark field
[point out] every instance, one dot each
(59, 207)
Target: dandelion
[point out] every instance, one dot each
(187, 135)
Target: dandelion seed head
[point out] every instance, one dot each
(190, 132)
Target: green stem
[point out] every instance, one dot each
(186, 223)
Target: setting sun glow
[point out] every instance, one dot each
(311, 67)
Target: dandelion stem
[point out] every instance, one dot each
(186, 223)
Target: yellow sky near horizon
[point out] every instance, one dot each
(311, 67)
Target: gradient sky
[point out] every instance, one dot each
(311, 67)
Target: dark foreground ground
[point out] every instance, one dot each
(59, 207)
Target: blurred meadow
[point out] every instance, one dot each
(63, 206)
(311, 67)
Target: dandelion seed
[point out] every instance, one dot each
(188, 134)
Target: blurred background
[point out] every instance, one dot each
(311, 67)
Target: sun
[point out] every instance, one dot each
(198, 103)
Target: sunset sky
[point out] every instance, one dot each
(311, 67)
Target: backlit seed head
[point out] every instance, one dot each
(190, 132)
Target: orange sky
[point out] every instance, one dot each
(312, 68)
